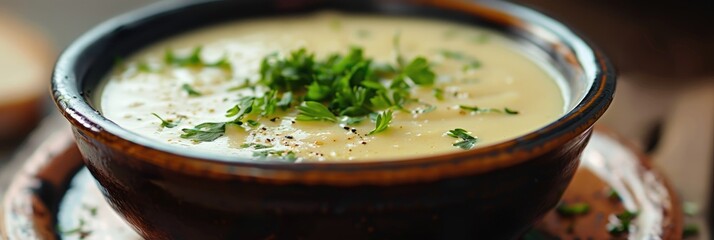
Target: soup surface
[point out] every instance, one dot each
(363, 88)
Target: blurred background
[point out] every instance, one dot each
(663, 50)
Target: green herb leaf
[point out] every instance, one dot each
(613, 195)
(191, 92)
(351, 120)
(289, 156)
(467, 141)
(205, 132)
(192, 59)
(420, 72)
(246, 84)
(315, 111)
(383, 120)
(690, 209)
(253, 123)
(439, 94)
(622, 223)
(222, 63)
(690, 230)
(286, 100)
(144, 67)
(477, 110)
(270, 102)
(244, 106)
(469, 62)
(573, 209)
(510, 111)
(166, 123)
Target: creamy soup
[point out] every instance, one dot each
(363, 88)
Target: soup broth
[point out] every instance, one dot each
(210, 90)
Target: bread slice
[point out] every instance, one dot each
(25, 65)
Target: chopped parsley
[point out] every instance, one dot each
(439, 94)
(289, 156)
(690, 230)
(191, 92)
(205, 132)
(420, 72)
(144, 67)
(194, 60)
(690, 209)
(478, 110)
(382, 122)
(351, 120)
(244, 106)
(573, 209)
(621, 223)
(613, 195)
(510, 111)
(315, 111)
(252, 123)
(166, 123)
(80, 230)
(469, 62)
(344, 85)
(467, 141)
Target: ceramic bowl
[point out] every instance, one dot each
(494, 192)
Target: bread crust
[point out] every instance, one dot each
(20, 113)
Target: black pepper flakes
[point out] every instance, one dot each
(289, 137)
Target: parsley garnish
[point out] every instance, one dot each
(383, 120)
(166, 123)
(613, 195)
(315, 111)
(510, 111)
(285, 101)
(193, 59)
(419, 71)
(574, 209)
(144, 67)
(467, 141)
(205, 132)
(351, 120)
(478, 110)
(285, 155)
(80, 230)
(191, 92)
(341, 88)
(439, 94)
(469, 62)
(690, 230)
(252, 123)
(244, 106)
(622, 223)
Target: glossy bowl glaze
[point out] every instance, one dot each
(496, 192)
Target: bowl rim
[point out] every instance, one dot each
(69, 98)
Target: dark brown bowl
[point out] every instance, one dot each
(495, 192)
